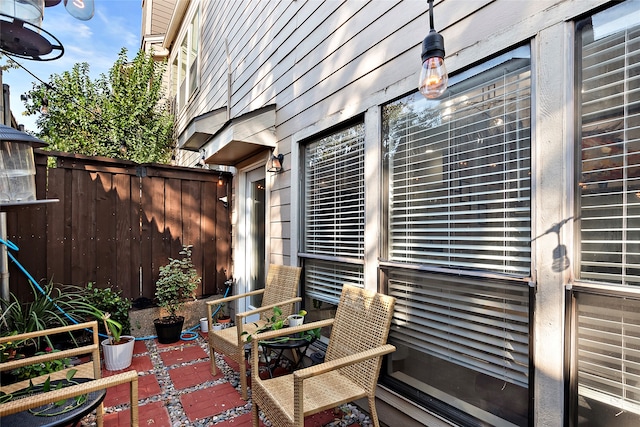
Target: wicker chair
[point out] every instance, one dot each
(280, 290)
(89, 370)
(350, 371)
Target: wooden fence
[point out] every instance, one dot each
(117, 222)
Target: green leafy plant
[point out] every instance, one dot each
(38, 369)
(177, 282)
(276, 322)
(121, 114)
(56, 306)
(221, 313)
(8, 349)
(52, 409)
(112, 326)
(106, 300)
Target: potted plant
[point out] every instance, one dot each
(297, 319)
(177, 283)
(108, 300)
(222, 317)
(278, 321)
(117, 349)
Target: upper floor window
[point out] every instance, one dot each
(184, 67)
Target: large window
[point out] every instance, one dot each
(458, 257)
(606, 360)
(333, 230)
(184, 67)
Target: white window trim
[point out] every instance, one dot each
(183, 99)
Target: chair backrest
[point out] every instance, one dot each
(282, 284)
(362, 322)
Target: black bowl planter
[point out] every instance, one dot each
(168, 329)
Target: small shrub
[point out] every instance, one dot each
(109, 301)
(177, 282)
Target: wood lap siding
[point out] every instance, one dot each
(115, 220)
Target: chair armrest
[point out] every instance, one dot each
(322, 368)
(211, 304)
(234, 297)
(239, 316)
(292, 330)
(52, 331)
(77, 351)
(36, 400)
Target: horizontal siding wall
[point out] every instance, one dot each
(317, 60)
(322, 63)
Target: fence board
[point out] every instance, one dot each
(126, 257)
(106, 247)
(117, 222)
(208, 197)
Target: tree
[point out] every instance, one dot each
(121, 115)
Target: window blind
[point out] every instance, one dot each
(334, 213)
(608, 338)
(480, 324)
(459, 174)
(609, 180)
(324, 280)
(334, 195)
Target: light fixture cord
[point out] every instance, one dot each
(432, 27)
(51, 88)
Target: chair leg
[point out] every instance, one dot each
(243, 376)
(212, 360)
(373, 412)
(100, 415)
(255, 418)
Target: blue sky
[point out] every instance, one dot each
(115, 24)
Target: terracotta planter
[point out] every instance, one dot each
(225, 321)
(168, 331)
(118, 356)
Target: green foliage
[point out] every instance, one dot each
(58, 306)
(276, 322)
(8, 349)
(37, 369)
(109, 301)
(52, 409)
(177, 282)
(120, 115)
(113, 327)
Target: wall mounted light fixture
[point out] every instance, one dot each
(275, 163)
(433, 77)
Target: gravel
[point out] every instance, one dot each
(345, 415)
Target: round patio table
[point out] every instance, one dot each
(73, 416)
(296, 343)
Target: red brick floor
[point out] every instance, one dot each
(176, 387)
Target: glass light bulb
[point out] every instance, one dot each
(433, 78)
(80, 9)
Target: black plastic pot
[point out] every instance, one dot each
(168, 329)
